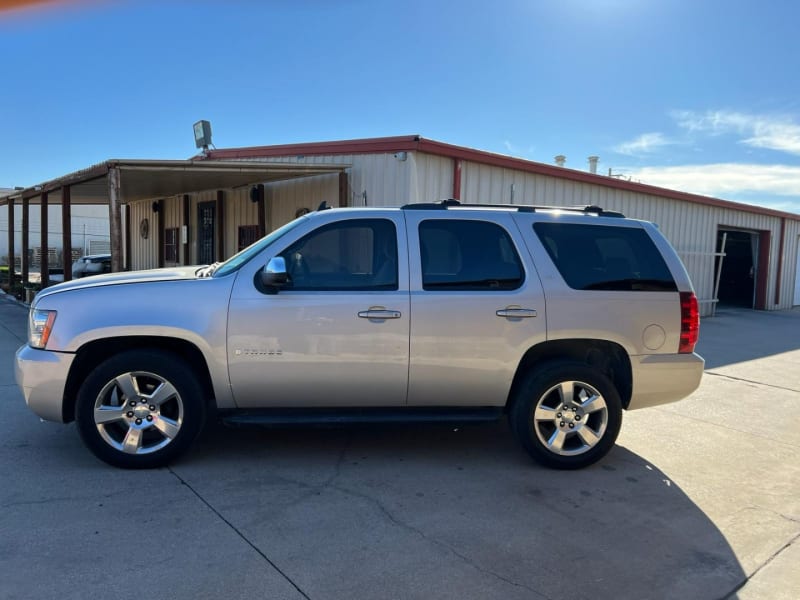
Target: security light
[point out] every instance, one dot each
(202, 134)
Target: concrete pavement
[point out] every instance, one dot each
(698, 500)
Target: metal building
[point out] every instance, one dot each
(736, 253)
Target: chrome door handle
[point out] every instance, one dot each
(379, 314)
(516, 313)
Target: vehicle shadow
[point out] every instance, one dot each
(736, 335)
(445, 512)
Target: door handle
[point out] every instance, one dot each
(379, 314)
(516, 312)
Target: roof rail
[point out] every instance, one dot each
(451, 203)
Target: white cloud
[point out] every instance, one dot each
(644, 144)
(730, 180)
(760, 131)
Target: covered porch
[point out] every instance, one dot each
(155, 188)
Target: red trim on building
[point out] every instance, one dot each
(457, 178)
(416, 143)
(780, 262)
(762, 278)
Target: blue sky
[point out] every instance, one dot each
(702, 96)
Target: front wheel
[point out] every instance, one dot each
(140, 409)
(566, 415)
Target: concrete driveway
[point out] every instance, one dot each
(700, 499)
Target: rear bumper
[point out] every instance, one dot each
(42, 375)
(662, 378)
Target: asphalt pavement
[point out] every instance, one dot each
(700, 499)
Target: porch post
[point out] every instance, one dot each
(262, 211)
(66, 232)
(24, 266)
(220, 226)
(11, 257)
(115, 219)
(187, 227)
(44, 261)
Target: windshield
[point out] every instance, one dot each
(237, 260)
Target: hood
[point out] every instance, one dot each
(152, 275)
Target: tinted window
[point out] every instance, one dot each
(596, 257)
(468, 255)
(349, 255)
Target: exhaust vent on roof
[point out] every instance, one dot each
(560, 160)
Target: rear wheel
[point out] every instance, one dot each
(140, 409)
(566, 415)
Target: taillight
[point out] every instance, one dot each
(690, 322)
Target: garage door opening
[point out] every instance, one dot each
(742, 277)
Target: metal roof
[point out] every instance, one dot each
(153, 179)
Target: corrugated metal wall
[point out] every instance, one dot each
(144, 252)
(387, 180)
(691, 228)
(380, 178)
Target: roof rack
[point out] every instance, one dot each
(452, 203)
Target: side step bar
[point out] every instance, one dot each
(282, 417)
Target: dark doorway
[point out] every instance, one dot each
(206, 228)
(737, 280)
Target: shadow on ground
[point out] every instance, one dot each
(378, 511)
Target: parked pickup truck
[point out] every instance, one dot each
(556, 318)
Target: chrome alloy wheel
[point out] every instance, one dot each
(138, 412)
(570, 418)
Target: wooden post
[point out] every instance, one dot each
(344, 188)
(11, 257)
(160, 233)
(66, 232)
(186, 218)
(25, 250)
(44, 261)
(220, 226)
(115, 219)
(128, 237)
(262, 211)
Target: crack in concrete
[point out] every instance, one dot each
(743, 380)
(393, 519)
(239, 533)
(732, 594)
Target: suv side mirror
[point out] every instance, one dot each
(274, 274)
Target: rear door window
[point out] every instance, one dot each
(598, 257)
(468, 255)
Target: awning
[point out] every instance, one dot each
(155, 179)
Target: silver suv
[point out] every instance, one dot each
(557, 318)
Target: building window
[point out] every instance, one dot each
(171, 245)
(248, 234)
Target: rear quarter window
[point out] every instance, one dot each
(598, 257)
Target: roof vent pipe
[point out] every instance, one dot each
(560, 160)
(593, 164)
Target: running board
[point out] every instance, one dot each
(282, 417)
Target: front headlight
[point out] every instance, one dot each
(40, 324)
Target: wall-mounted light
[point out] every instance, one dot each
(401, 156)
(254, 194)
(156, 206)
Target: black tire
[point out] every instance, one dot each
(158, 417)
(566, 439)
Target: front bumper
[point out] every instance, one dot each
(42, 376)
(662, 378)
